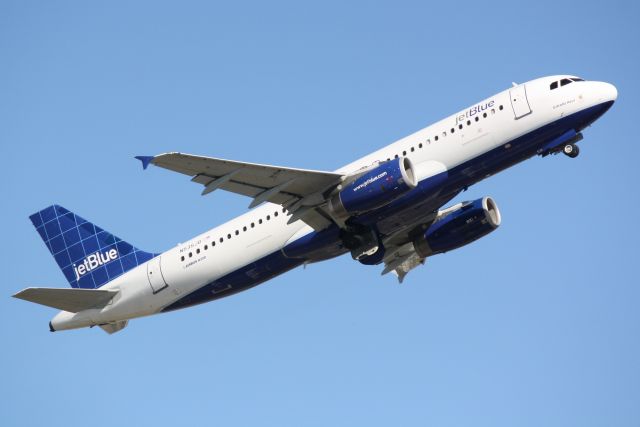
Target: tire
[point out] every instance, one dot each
(571, 150)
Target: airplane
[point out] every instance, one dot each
(384, 209)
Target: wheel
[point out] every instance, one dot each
(571, 150)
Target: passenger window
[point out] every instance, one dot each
(420, 145)
(477, 118)
(237, 232)
(182, 258)
(460, 126)
(244, 228)
(553, 86)
(228, 236)
(484, 115)
(268, 217)
(404, 153)
(221, 240)
(275, 213)
(412, 149)
(468, 122)
(190, 254)
(198, 250)
(253, 224)
(260, 221)
(453, 130)
(500, 108)
(206, 247)
(436, 137)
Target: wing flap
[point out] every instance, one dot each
(67, 299)
(401, 260)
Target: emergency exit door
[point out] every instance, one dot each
(154, 274)
(519, 101)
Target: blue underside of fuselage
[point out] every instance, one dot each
(459, 178)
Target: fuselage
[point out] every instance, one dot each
(470, 145)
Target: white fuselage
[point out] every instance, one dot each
(252, 236)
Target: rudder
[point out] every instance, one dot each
(88, 256)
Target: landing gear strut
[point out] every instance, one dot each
(571, 150)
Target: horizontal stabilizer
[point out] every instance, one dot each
(67, 299)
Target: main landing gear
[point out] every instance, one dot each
(363, 242)
(571, 150)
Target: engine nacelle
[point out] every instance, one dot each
(375, 188)
(460, 227)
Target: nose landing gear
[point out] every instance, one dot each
(571, 150)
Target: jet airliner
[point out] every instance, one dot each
(385, 209)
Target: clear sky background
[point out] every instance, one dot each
(537, 324)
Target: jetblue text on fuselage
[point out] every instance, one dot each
(476, 109)
(94, 261)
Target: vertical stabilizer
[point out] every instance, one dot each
(88, 256)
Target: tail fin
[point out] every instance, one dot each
(88, 256)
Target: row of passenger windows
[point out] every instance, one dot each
(564, 82)
(230, 235)
(452, 131)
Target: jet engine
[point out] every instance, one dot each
(468, 223)
(375, 188)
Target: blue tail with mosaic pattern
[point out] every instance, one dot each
(88, 256)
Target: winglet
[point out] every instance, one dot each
(145, 160)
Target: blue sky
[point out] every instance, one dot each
(536, 324)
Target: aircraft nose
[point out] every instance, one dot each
(609, 92)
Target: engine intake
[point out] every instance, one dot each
(375, 188)
(460, 227)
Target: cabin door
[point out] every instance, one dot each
(154, 274)
(519, 101)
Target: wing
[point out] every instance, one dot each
(301, 190)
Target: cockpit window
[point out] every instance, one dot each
(564, 82)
